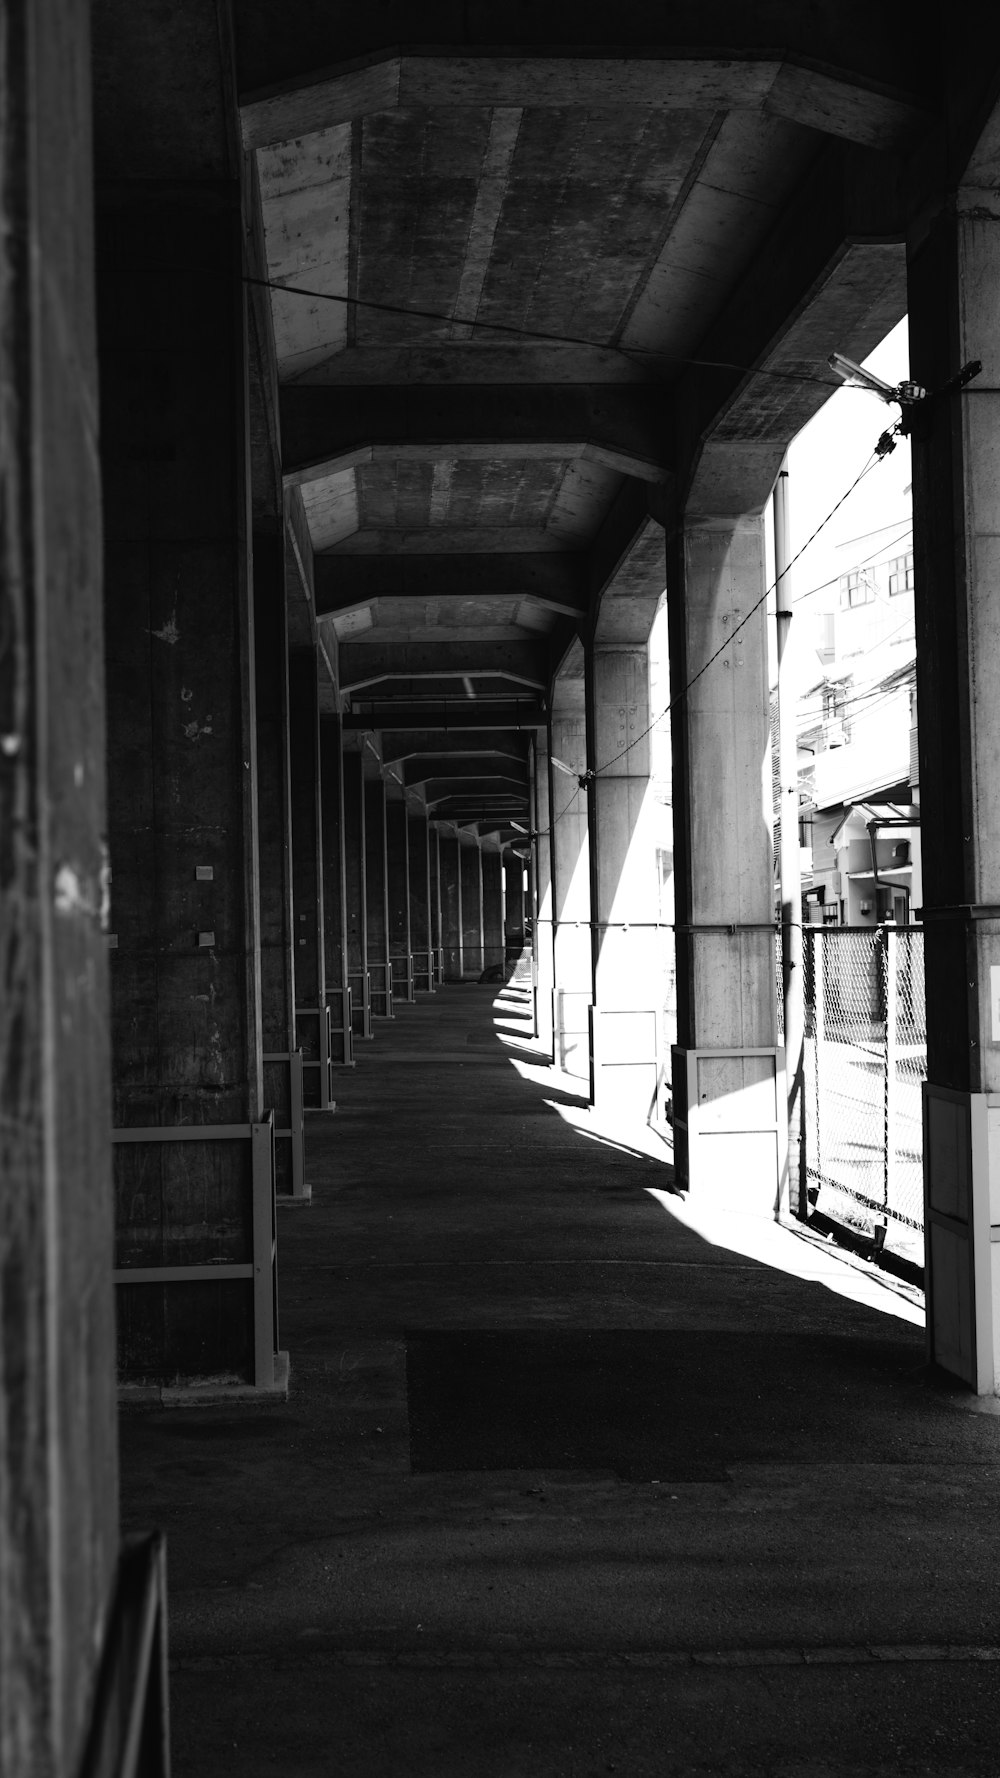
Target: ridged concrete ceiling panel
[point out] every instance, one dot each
(331, 507)
(449, 619)
(582, 217)
(306, 204)
(586, 492)
(459, 493)
(420, 173)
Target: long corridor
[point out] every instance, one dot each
(568, 1482)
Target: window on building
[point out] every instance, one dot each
(901, 574)
(856, 588)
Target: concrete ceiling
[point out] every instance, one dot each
(533, 246)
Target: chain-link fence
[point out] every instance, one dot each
(865, 1059)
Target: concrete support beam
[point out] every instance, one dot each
(308, 924)
(540, 899)
(493, 921)
(397, 836)
(471, 871)
(450, 716)
(556, 581)
(621, 426)
(953, 275)
(728, 1134)
(513, 904)
(421, 922)
(336, 952)
(450, 882)
(356, 890)
(377, 893)
(624, 886)
(58, 1414)
(277, 973)
(434, 867)
(186, 1010)
(572, 992)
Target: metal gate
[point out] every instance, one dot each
(865, 1059)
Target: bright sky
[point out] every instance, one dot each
(822, 463)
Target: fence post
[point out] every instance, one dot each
(891, 958)
(819, 941)
(265, 1329)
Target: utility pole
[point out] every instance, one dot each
(790, 871)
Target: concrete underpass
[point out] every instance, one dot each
(563, 1486)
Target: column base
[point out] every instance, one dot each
(624, 1062)
(731, 1126)
(208, 1394)
(572, 1044)
(294, 1200)
(962, 1216)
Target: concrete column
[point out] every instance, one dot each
(493, 948)
(953, 276)
(540, 897)
(186, 1016)
(331, 747)
(397, 839)
(727, 1094)
(307, 873)
(434, 863)
(450, 879)
(572, 963)
(513, 898)
(58, 1444)
(277, 975)
(421, 937)
(377, 893)
(355, 889)
(624, 877)
(470, 866)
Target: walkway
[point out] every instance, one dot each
(564, 1487)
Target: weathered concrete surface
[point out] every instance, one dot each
(435, 1560)
(58, 1457)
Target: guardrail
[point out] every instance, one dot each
(261, 1269)
(381, 989)
(424, 971)
(340, 1003)
(129, 1735)
(317, 1055)
(288, 1101)
(361, 1003)
(402, 977)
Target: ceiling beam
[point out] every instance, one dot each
(836, 100)
(437, 767)
(556, 580)
(450, 716)
(622, 426)
(418, 744)
(364, 663)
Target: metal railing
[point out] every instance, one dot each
(381, 988)
(313, 1030)
(260, 1269)
(341, 1010)
(361, 1002)
(865, 1060)
(402, 976)
(129, 1735)
(284, 1091)
(424, 971)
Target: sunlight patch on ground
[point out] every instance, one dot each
(793, 1251)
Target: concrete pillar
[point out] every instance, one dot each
(470, 866)
(377, 893)
(434, 864)
(540, 897)
(421, 936)
(493, 947)
(277, 975)
(356, 890)
(182, 816)
(513, 901)
(451, 906)
(625, 889)
(331, 747)
(572, 963)
(58, 1444)
(397, 840)
(953, 273)
(727, 1094)
(307, 875)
